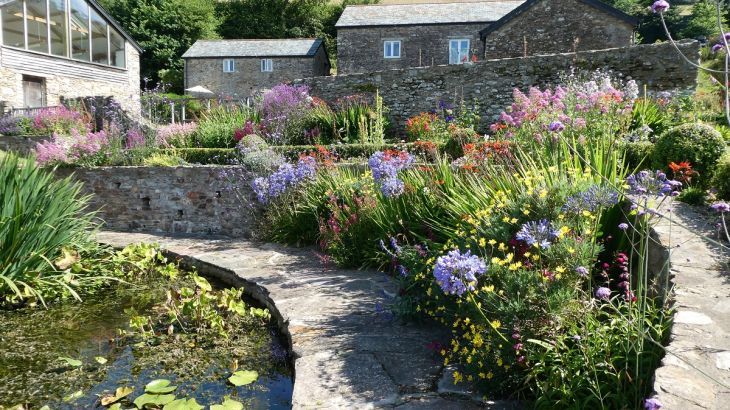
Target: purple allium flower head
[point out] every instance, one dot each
(556, 126)
(603, 293)
(456, 273)
(652, 404)
(582, 270)
(623, 226)
(540, 233)
(660, 6)
(721, 207)
(717, 47)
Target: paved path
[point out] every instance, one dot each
(350, 352)
(695, 373)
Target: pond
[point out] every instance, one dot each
(71, 354)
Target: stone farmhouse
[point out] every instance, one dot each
(244, 67)
(396, 36)
(54, 49)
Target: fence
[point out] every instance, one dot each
(161, 109)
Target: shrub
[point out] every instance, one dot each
(10, 125)
(721, 178)
(42, 219)
(699, 144)
(637, 154)
(163, 160)
(284, 110)
(218, 156)
(218, 126)
(693, 196)
(89, 148)
(649, 119)
(60, 120)
(177, 135)
(426, 126)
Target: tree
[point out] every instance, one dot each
(165, 29)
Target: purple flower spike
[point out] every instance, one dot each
(652, 404)
(603, 293)
(660, 6)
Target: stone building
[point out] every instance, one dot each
(395, 36)
(240, 68)
(54, 49)
(557, 26)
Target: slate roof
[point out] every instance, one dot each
(295, 47)
(529, 3)
(433, 13)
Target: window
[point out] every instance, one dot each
(59, 30)
(458, 51)
(64, 28)
(13, 26)
(117, 53)
(37, 25)
(80, 30)
(229, 66)
(99, 39)
(34, 91)
(391, 49)
(267, 65)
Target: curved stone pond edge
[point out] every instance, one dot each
(695, 372)
(348, 351)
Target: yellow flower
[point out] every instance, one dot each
(492, 242)
(482, 242)
(499, 362)
(560, 269)
(543, 193)
(490, 375)
(496, 324)
(526, 211)
(513, 221)
(488, 289)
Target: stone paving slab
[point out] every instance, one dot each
(695, 373)
(349, 351)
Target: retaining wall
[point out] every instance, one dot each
(173, 200)
(20, 144)
(407, 92)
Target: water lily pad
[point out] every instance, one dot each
(121, 393)
(156, 399)
(100, 359)
(228, 404)
(71, 362)
(159, 386)
(183, 404)
(243, 377)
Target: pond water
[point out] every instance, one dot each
(35, 341)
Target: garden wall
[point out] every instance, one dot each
(407, 92)
(20, 144)
(172, 200)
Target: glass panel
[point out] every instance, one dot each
(80, 30)
(13, 32)
(35, 13)
(387, 50)
(59, 33)
(99, 44)
(117, 52)
(396, 49)
(453, 52)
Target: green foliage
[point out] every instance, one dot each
(163, 159)
(693, 196)
(648, 113)
(205, 156)
(217, 127)
(44, 223)
(164, 29)
(638, 154)
(700, 144)
(721, 179)
(353, 120)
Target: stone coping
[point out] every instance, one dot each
(695, 372)
(348, 350)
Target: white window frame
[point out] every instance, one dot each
(229, 65)
(391, 43)
(461, 58)
(267, 65)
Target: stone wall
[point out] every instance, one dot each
(69, 78)
(360, 49)
(20, 144)
(410, 91)
(558, 26)
(173, 200)
(247, 79)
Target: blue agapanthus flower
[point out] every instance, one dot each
(647, 183)
(540, 233)
(456, 273)
(392, 187)
(285, 177)
(592, 199)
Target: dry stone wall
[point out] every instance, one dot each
(20, 144)
(172, 200)
(407, 92)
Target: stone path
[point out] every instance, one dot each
(695, 373)
(349, 350)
